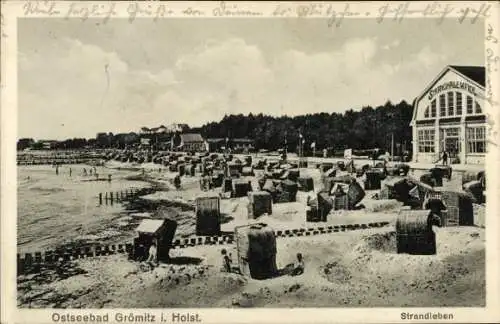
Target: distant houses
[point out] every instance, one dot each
(234, 144)
(48, 144)
(25, 143)
(188, 143)
(176, 137)
(170, 129)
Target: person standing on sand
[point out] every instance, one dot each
(177, 182)
(226, 261)
(152, 255)
(57, 169)
(70, 172)
(299, 266)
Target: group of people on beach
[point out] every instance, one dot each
(92, 171)
(294, 269)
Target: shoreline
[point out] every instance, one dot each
(118, 231)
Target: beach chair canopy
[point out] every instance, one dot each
(150, 226)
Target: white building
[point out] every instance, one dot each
(449, 115)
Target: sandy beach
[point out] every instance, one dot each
(355, 269)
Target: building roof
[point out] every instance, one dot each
(215, 140)
(150, 226)
(234, 140)
(475, 73)
(190, 138)
(242, 140)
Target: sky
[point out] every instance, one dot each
(76, 78)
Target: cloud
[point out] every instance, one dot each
(427, 58)
(392, 45)
(85, 89)
(68, 84)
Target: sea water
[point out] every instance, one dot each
(54, 209)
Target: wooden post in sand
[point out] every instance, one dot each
(100, 198)
(28, 260)
(20, 265)
(111, 197)
(106, 197)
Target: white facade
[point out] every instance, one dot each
(449, 115)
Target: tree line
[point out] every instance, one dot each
(367, 128)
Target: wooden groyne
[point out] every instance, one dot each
(110, 197)
(35, 262)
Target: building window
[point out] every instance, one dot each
(452, 132)
(476, 139)
(426, 113)
(451, 104)
(426, 141)
(469, 105)
(458, 96)
(442, 105)
(433, 108)
(478, 108)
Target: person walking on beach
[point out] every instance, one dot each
(445, 158)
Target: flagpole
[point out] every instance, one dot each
(300, 146)
(286, 147)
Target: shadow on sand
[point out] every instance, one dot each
(184, 260)
(225, 218)
(288, 270)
